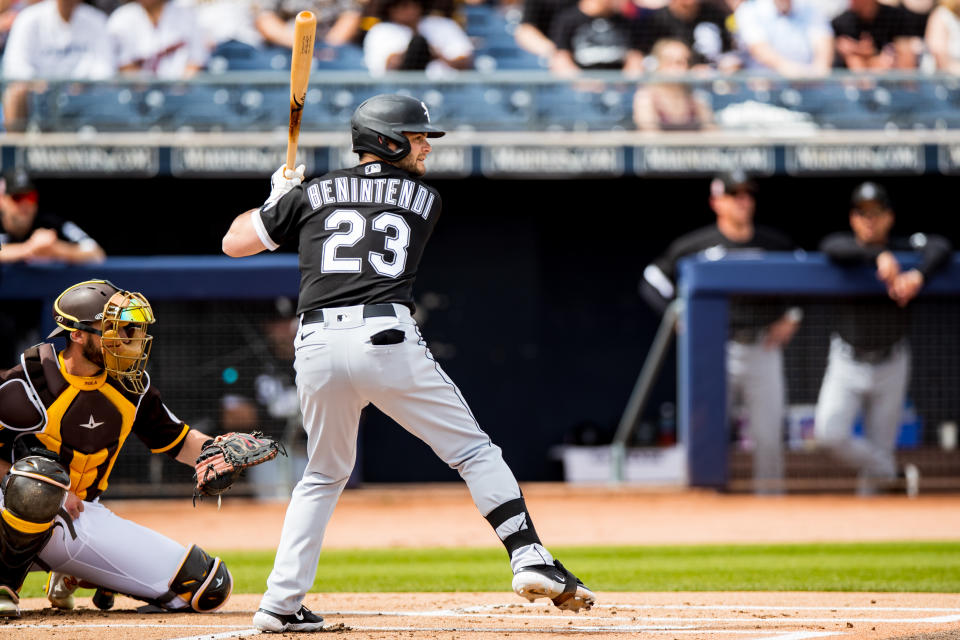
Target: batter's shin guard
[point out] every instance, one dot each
(513, 525)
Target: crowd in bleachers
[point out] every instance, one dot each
(175, 39)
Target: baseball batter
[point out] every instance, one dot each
(63, 419)
(361, 234)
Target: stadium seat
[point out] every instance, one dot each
(198, 107)
(343, 58)
(239, 56)
(103, 108)
(508, 58)
(483, 107)
(562, 107)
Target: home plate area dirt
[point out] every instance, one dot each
(648, 616)
(444, 515)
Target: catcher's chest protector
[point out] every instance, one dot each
(87, 419)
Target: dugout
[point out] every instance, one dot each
(530, 294)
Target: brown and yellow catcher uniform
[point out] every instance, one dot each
(85, 421)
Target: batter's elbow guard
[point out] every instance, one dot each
(202, 581)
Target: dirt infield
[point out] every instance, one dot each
(463, 616)
(425, 516)
(444, 516)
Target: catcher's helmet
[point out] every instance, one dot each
(80, 306)
(386, 117)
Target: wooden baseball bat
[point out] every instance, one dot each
(304, 32)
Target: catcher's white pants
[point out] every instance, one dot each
(115, 553)
(755, 379)
(879, 390)
(339, 372)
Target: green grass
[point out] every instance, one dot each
(899, 567)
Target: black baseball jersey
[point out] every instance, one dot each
(595, 42)
(361, 233)
(706, 34)
(889, 24)
(874, 325)
(660, 277)
(66, 230)
(85, 420)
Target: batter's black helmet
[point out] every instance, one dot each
(386, 117)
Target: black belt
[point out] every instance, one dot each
(369, 311)
(873, 356)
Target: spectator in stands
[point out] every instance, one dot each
(868, 367)
(943, 36)
(670, 106)
(53, 38)
(338, 21)
(699, 25)
(789, 37)
(875, 36)
(26, 236)
(536, 24)
(594, 35)
(226, 21)
(9, 9)
(757, 333)
(406, 39)
(157, 38)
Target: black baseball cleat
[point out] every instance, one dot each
(302, 620)
(556, 582)
(103, 599)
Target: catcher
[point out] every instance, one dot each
(63, 420)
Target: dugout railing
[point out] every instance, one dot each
(708, 281)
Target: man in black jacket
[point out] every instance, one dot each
(869, 363)
(758, 331)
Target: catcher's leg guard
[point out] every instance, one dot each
(202, 581)
(33, 493)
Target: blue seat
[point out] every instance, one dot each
(561, 106)
(103, 108)
(512, 58)
(347, 57)
(318, 115)
(483, 108)
(239, 56)
(199, 107)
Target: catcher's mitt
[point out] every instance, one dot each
(223, 458)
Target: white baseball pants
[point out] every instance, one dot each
(115, 553)
(879, 390)
(339, 371)
(755, 378)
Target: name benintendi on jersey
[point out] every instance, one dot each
(398, 192)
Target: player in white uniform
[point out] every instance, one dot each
(63, 419)
(361, 233)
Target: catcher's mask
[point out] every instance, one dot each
(124, 338)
